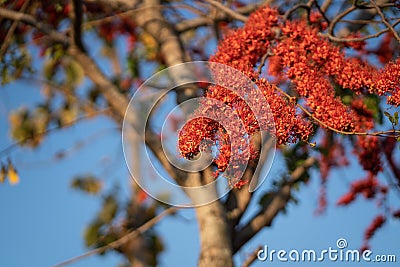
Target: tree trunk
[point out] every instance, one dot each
(216, 250)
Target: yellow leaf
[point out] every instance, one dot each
(3, 173)
(12, 174)
(150, 44)
(148, 40)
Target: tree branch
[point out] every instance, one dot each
(10, 31)
(252, 257)
(239, 200)
(205, 21)
(359, 39)
(30, 20)
(76, 18)
(384, 20)
(367, 12)
(227, 10)
(266, 216)
(117, 243)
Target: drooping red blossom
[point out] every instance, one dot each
(333, 154)
(374, 226)
(386, 48)
(396, 214)
(346, 199)
(368, 150)
(367, 187)
(364, 116)
(356, 45)
(322, 200)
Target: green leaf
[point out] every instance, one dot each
(92, 234)
(110, 207)
(347, 99)
(49, 69)
(68, 114)
(391, 118)
(396, 118)
(74, 73)
(88, 184)
(372, 103)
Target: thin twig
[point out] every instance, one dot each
(384, 20)
(366, 6)
(227, 10)
(252, 257)
(49, 130)
(358, 39)
(263, 60)
(10, 32)
(30, 20)
(306, 6)
(117, 243)
(326, 5)
(205, 21)
(337, 18)
(322, 11)
(346, 12)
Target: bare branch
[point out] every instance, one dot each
(384, 20)
(266, 216)
(325, 5)
(117, 101)
(10, 32)
(76, 18)
(359, 39)
(366, 12)
(30, 20)
(252, 257)
(116, 4)
(263, 60)
(228, 11)
(117, 243)
(306, 6)
(205, 21)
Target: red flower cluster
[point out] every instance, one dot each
(311, 57)
(368, 187)
(313, 64)
(396, 214)
(374, 226)
(241, 50)
(388, 83)
(368, 151)
(363, 116)
(333, 154)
